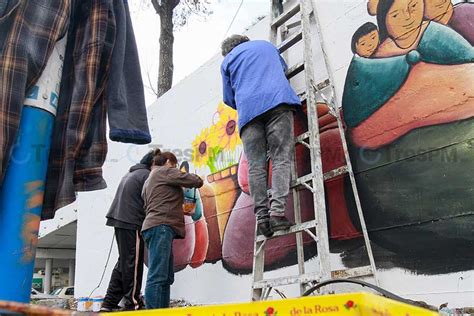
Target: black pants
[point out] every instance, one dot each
(126, 280)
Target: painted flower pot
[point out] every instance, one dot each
(226, 189)
(214, 251)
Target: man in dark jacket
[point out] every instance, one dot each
(126, 215)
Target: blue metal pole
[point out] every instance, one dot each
(22, 191)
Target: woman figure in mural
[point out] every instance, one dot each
(403, 29)
(415, 92)
(406, 40)
(459, 17)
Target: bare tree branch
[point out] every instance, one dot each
(151, 85)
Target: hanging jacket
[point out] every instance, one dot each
(101, 76)
(29, 31)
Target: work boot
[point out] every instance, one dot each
(264, 227)
(279, 223)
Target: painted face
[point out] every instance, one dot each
(367, 44)
(404, 21)
(437, 10)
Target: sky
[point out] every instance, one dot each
(196, 42)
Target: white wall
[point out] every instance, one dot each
(62, 217)
(174, 120)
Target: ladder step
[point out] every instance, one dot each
(292, 25)
(285, 16)
(293, 229)
(290, 41)
(321, 85)
(352, 273)
(304, 179)
(302, 97)
(335, 173)
(296, 69)
(303, 278)
(303, 137)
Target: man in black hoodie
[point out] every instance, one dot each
(126, 215)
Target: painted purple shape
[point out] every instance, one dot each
(462, 20)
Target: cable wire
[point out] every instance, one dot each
(233, 19)
(105, 268)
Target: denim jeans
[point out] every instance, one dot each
(159, 241)
(271, 133)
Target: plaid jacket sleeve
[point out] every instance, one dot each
(28, 32)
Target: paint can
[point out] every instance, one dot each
(97, 303)
(82, 304)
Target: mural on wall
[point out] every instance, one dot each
(408, 106)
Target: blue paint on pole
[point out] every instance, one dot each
(21, 200)
(22, 190)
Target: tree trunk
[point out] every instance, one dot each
(165, 72)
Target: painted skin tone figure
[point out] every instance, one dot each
(365, 40)
(401, 26)
(440, 11)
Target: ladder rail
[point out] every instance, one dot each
(315, 148)
(314, 182)
(258, 268)
(334, 102)
(297, 210)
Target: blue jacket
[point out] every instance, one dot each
(254, 80)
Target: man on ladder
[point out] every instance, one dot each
(255, 85)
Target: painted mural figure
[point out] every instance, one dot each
(459, 17)
(406, 41)
(366, 40)
(411, 99)
(409, 111)
(255, 85)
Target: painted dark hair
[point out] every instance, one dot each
(147, 160)
(365, 29)
(161, 159)
(382, 11)
(232, 42)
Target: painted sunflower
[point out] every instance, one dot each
(202, 148)
(226, 133)
(221, 108)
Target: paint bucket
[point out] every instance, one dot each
(189, 204)
(97, 303)
(82, 304)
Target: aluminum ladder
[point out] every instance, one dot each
(261, 288)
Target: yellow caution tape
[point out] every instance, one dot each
(343, 304)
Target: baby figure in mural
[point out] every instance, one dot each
(365, 40)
